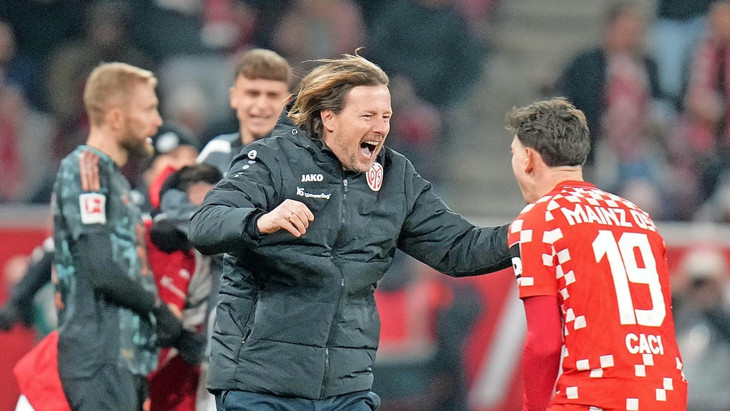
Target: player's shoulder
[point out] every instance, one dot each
(536, 209)
(592, 200)
(533, 217)
(548, 211)
(225, 139)
(86, 156)
(84, 165)
(221, 144)
(568, 197)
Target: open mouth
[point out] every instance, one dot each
(368, 148)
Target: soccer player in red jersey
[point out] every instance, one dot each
(592, 273)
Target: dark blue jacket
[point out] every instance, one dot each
(297, 316)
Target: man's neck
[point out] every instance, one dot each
(557, 175)
(105, 142)
(246, 138)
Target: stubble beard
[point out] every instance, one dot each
(357, 166)
(137, 148)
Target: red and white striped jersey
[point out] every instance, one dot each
(605, 261)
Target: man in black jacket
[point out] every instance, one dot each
(311, 218)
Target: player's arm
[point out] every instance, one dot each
(94, 253)
(20, 305)
(543, 344)
(444, 240)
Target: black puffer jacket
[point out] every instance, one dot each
(297, 316)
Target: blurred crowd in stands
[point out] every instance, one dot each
(655, 93)
(48, 48)
(701, 307)
(655, 89)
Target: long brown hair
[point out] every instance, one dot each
(326, 87)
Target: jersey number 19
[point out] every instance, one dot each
(626, 273)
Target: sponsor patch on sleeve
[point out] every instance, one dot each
(93, 208)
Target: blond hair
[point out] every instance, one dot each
(326, 87)
(109, 84)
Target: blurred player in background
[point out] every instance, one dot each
(110, 318)
(592, 274)
(183, 279)
(258, 95)
(175, 273)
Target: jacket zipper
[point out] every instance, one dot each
(247, 332)
(342, 289)
(249, 328)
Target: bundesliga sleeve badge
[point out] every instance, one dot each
(93, 208)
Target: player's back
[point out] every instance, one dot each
(606, 260)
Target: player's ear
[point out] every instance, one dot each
(328, 119)
(233, 97)
(114, 118)
(530, 158)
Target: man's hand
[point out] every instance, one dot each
(168, 238)
(191, 347)
(11, 313)
(170, 333)
(291, 215)
(168, 326)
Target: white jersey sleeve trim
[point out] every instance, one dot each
(214, 146)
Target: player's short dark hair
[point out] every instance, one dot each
(618, 9)
(554, 128)
(188, 176)
(263, 64)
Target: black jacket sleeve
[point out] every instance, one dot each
(95, 252)
(444, 240)
(226, 221)
(169, 231)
